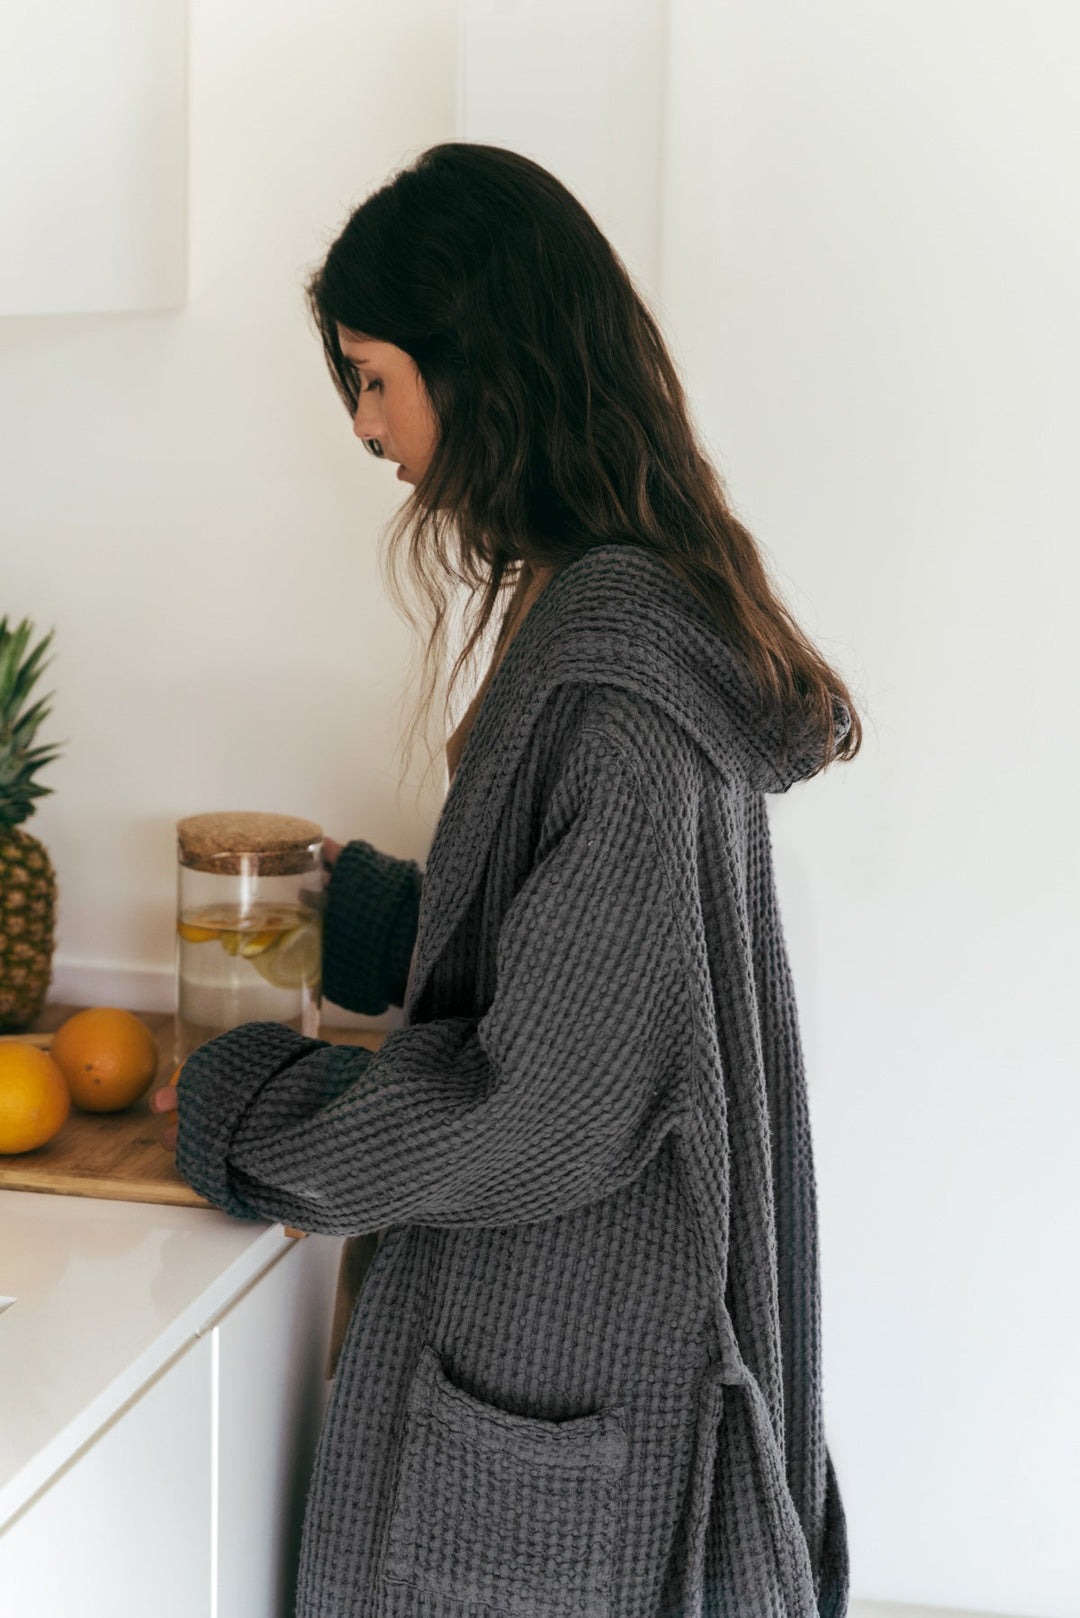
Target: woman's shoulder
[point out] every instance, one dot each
(584, 723)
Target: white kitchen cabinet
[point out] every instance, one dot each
(93, 156)
(162, 1388)
(125, 1530)
(271, 1357)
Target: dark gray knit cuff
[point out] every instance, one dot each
(217, 1083)
(369, 928)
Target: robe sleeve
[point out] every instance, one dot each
(370, 919)
(559, 1094)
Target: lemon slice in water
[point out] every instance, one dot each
(252, 944)
(240, 932)
(293, 963)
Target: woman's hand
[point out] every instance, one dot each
(167, 1100)
(330, 852)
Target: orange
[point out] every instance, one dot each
(176, 1075)
(109, 1058)
(34, 1098)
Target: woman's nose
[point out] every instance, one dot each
(367, 425)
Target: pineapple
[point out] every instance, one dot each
(27, 879)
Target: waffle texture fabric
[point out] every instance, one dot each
(583, 1378)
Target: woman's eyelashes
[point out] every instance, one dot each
(358, 380)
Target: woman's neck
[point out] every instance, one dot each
(530, 585)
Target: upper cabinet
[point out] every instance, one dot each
(93, 156)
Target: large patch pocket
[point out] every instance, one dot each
(512, 1513)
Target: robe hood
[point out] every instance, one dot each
(619, 616)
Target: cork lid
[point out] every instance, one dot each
(219, 842)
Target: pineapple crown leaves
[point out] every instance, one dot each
(19, 760)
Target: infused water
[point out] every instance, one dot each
(247, 963)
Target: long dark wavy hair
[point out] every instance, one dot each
(561, 421)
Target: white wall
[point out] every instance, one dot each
(581, 89)
(184, 499)
(870, 268)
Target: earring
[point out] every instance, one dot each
(373, 445)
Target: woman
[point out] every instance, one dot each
(584, 1374)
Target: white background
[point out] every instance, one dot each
(859, 228)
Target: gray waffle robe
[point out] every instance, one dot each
(583, 1377)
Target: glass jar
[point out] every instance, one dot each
(249, 909)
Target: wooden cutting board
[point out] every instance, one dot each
(119, 1155)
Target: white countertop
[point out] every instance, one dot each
(105, 1294)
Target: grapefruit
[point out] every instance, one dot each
(34, 1097)
(109, 1058)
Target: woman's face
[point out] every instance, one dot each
(393, 405)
